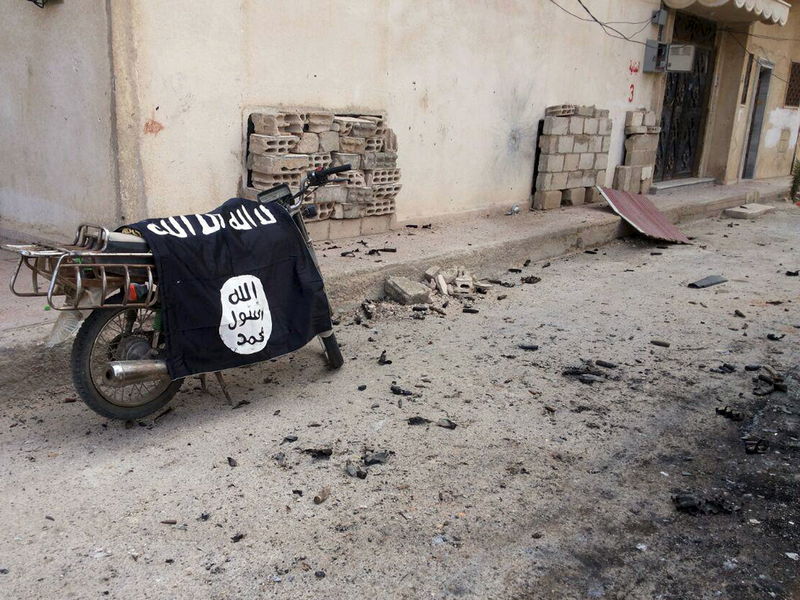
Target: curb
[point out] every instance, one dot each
(348, 289)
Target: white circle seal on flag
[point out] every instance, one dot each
(246, 322)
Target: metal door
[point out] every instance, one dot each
(685, 101)
(757, 121)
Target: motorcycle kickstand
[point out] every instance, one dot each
(222, 384)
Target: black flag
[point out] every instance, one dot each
(237, 286)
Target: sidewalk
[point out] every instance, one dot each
(482, 244)
(485, 243)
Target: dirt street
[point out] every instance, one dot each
(547, 487)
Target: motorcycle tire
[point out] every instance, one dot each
(332, 351)
(90, 390)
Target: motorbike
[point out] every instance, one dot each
(109, 286)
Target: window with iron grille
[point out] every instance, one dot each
(793, 91)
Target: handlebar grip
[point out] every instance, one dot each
(332, 170)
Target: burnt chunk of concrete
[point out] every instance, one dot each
(405, 291)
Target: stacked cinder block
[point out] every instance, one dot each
(573, 155)
(286, 144)
(641, 146)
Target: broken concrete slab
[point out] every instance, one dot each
(405, 291)
(748, 211)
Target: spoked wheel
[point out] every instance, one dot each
(113, 334)
(332, 351)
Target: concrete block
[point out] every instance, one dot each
(374, 144)
(573, 196)
(586, 161)
(600, 161)
(331, 193)
(380, 176)
(595, 143)
(328, 141)
(375, 224)
(352, 145)
(359, 194)
(380, 123)
(590, 126)
(346, 211)
(546, 200)
(581, 143)
(748, 211)
(606, 143)
(389, 141)
(265, 181)
(556, 125)
(640, 159)
(432, 272)
(647, 172)
(584, 111)
(379, 160)
(271, 144)
(278, 163)
(560, 110)
(566, 144)
(308, 144)
(354, 177)
(277, 123)
(574, 179)
(593, 195)
(601, 113)
(576, 125)
(405, 291)
(551, 181)
(600, 177)
(344, 158)
(623, 178)
(634, 118)
(355, 126)
(604, 126)
(551, 163)
(385, 191)
(571, 161)
(549, 143)
(319, 160)
(649, 119)
(318, 121)
(344, 228)
(589, 177)
(634, 130)
(636, 143)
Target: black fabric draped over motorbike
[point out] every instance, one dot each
(237, 286)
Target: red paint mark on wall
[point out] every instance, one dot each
(153, 126)
(633, 90)
(634, 66)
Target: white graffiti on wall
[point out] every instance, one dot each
(240, 219)
(246, 322)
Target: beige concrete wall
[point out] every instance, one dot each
(56, 153)
(463, 85)
(774, 158)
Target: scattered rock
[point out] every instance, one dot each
(382, 360)
(418, 421)
(446, 423)
(238, 537)
(606, 364)
(322, 453)
(528, 347)
(398, 391)
(232, 462)
(660, 343)
(354, 470)
(376, 458)
(405, 291)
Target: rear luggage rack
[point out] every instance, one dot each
(85, 274)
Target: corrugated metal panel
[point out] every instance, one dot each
(643, 216)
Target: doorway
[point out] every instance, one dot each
(757, 121)
(685, 102)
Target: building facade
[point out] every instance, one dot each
(115, 111)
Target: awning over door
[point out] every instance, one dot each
(736, 11)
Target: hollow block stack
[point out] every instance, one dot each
(285, 145)
(573, 155)
(641, 146)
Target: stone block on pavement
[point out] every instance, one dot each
(748, 211)
(546, 200)
(405, 291)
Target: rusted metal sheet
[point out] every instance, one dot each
(643, 216)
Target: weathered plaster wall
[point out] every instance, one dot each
(57, 167)
(464, 86)
(775, 158)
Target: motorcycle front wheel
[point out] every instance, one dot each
(111, 334)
